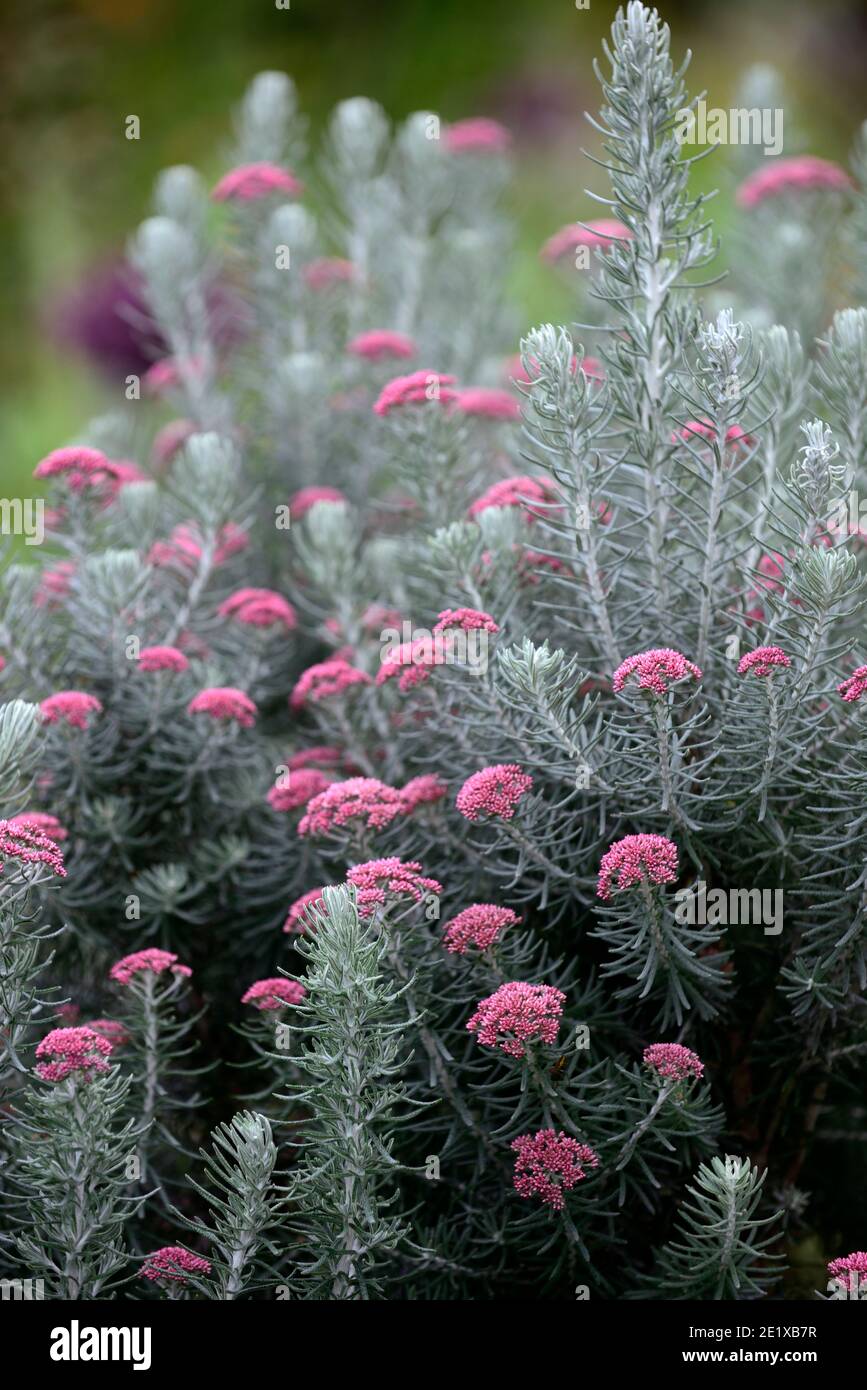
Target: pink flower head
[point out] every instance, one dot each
(171, 1261)
(412, 661)
(479, 925)
(424, 791)
(468, 619)
(846, 1266)
(802, 173)
(224, 702)
(495, 791)
(295, 920)
(853, 687)
(307, 782)
(361, 799)
(250, 182)
(771, 569)
(378, 344)
(532, 494)
(549, 1164)
(328, 271)
(184, 548)
(417, 388)
(72, 1050)
(477, 135)
(321, 756)
(672, 1061)
(162, 659)
(72, 707)
(517, 1014)
(636, 859)
(79, 466)
(380, 880)
(24, 839)
(54, 584)
(39, 820)
(274, 993)
(488, 403)
(326, 680)
(762, 661)
(598, 235)
(306, 497)
(151, 961)
(703, 429)
(111, 1029)
(259, 608)
(655, 670)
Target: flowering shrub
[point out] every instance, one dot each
(482, 946)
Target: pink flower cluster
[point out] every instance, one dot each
(170, 1260)
(152, 960)
(250, 182)
(495, 791)
(703, 429)
(361, 799)
(425, 790)
(298, 789)
(480, 925)
(802, 173)
(224, 702)
(467, 619)
(598, 235)
(379, 880)
(295, 918)
(72, 1050)
(655, 670)
(23, 838)
(477, 135)
(185, 547)
(487, 403)
(853, 687)
(111, 1029)
(380, 343)
(274, 993)
(83, 468)
(306, 497)
(549, 1164)
(845, 1266)
(414, 389)
(259, 608)
(72, 707)
(412, 661)
(40, 820)
(636, 859)
(325, 680)
(518, 1014)
(521, 492)
(162, 659)
(672, 1061)
(762, 661)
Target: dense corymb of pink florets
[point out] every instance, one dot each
(25, 840)
(468, 619)
(802, 173)
(850, 1270)
(326, 680)
(250, 182)
(379, 344)
(40, 820)
(82, 468)
(495, 791)
(306, 497)
(477, 135)
(274, 993)
(487, 403)
(298, 789)
(479, 925)
(295, 919)
(415, 389)
(533, 495)
(600, 234)
(518, 1014)
(425, 790)
(654, 670)
(162, 659)
(672, 1061)
(380, 880)
(224, 702)
(853, 687)
(763, 661)
(150, 961)
(78, 1051)
(636, 859)
(548, 1164)
(170, 1260)
(72, 707)
(412, 661)
(259, 608)
(362, 799)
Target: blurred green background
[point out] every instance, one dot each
(73, 187)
